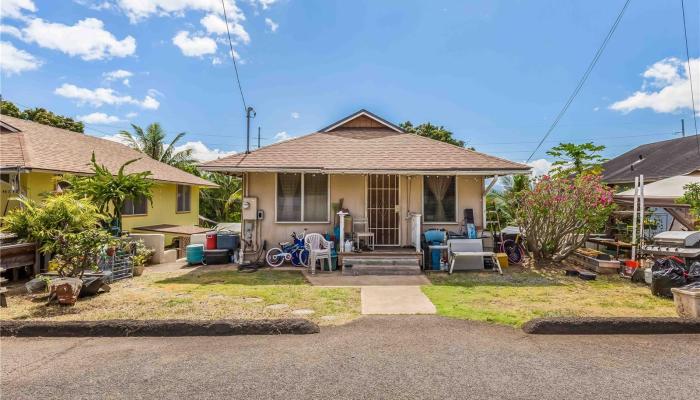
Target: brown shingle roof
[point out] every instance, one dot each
(658, 160)
(364, 150)
(42, 147)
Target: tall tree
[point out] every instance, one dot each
(222, 204)
(577, 159)
(152, 143)
(432, 131)
(42, 116)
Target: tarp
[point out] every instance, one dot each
(665, 189)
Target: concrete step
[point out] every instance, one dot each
(369, 269)
(380, 261)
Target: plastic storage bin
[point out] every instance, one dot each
(211, 241)
(216, 256)
(228, 241)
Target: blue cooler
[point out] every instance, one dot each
(194, 253)
(227, 241)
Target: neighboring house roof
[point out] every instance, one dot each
(365, 143)
(41, 147)
(655, 161)
(669, 188)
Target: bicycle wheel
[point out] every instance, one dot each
(513, 251)
(274, 257)
(303, 256)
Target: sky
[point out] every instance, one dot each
(496, 73)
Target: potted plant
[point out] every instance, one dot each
(141, 256)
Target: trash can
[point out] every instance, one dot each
(194, 253)
(436, 256)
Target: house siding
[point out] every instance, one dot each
(352, 189)
(163, 210)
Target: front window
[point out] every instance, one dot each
(439, 199)
(137, 206)
(302, 197)
(183, 198)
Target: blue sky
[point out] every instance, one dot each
(494, 72)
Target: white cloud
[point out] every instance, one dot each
(666, 88)
(271, 24)
(98, 118)
(215, 25)
(194, 46)
(215, 61)
(126, 82)
(10, 30)
(131, 115)
(113, 138)
(87, 39)
(265, 4)
(201, 152)
(282, 136)
(14, 8)
(138, 10)
(15, 61)
(295, 115)
(117, 74)
(540, 167)
(101, 96)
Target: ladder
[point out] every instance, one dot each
(494, 225)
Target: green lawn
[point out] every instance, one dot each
(202, 295)
(516, 297)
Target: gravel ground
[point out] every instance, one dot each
(373, 357)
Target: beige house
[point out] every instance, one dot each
(401, 183)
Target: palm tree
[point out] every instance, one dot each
(152, 143)
(222, 204)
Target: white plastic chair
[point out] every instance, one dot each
(368, 236)
(319, 249)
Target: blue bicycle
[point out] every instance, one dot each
(293, 252)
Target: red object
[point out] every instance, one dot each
(631, 264)
(211, 241)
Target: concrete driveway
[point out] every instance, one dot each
(390, 357)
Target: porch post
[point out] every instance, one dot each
(341, 224)
(416, 230)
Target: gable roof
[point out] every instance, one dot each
(41, 147)
(658, 160)
(342, 147)
(359, 115)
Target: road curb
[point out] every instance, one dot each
(611, 326)
(156, 328)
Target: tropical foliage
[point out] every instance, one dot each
(41, 116)
(222, 204)
(559, 214)
(432, 131)
(576, 159)
(80, 251)
(691, 196)
(152, 143)
(505, 202)
(109, 192)
(58, 214)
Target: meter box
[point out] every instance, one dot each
(249, 208)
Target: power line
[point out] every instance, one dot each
(690, 77)
(233, 57)
(583, 78)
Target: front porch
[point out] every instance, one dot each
(381, 261)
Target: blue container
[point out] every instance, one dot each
(434, 235)
(435, 255)
(227, 241)
(194, 253)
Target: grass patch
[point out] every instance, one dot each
(517, 297)
(201, 295)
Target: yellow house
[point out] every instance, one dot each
(32, 155)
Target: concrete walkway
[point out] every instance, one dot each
(395, 300)
(336, 279)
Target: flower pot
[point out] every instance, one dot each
(110, 251)
(138, 269)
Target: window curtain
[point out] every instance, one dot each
(289, 197)
(315, 197)
(438, 186)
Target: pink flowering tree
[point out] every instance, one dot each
(559, 214)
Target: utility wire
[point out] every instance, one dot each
(233, 57)
(690, 77)
(583, 78)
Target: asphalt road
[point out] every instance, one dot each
(373, 358)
